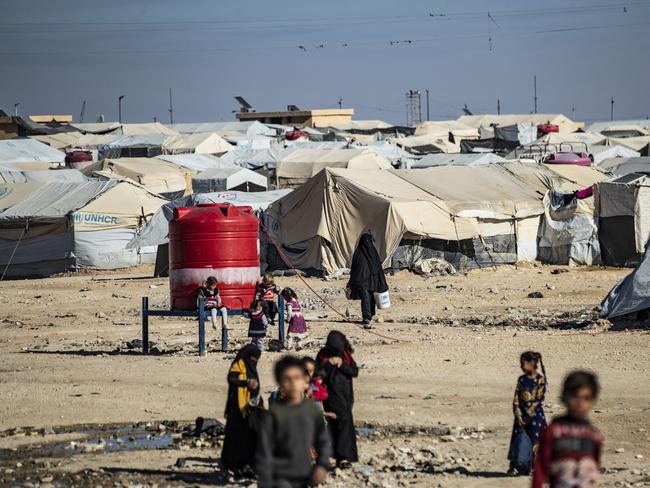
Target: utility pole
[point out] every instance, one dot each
(83, 111)
(535, 94)
(428, 104)
(119, 108)
(16, 105)
(611, 110)
(340, 103)
(573, 112)
(171, 108)
(498, 107)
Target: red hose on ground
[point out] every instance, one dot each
(290, 265)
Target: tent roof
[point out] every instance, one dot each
(156, 175)
(57, 199)
(249, 128)
(304, 163)
(470, 159)
(624, 166)
(600, 153)
(635, 143)
(252, 158)
(444, 127)
(440, 141)
(362, 125)
(62, 140)
(195, 162)
(611, 125)
(13, 193)
(125, 129)
(43, 175)
(200, 142)
(28, 150)
(565, 124)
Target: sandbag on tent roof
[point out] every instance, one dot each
(196, 162)
(295, 167)
(157, 176)
(564, 123)
(65, 226)
(631, 295)
(199, 143)
(222, 179)
(27, 151)
(469, 159)
(249, 128)
(626, 166)
(44, 176)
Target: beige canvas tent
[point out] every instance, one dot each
(427, 143)
(445, 127)
(61, 141)
(157, 176)
(564, 123)
(67, 226)
(199, 143)
(297, 166)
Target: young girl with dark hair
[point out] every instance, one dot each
(297, 330)
(528, 409)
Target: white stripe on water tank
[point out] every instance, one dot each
(227, 276)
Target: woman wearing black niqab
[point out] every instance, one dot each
(243, 408)
(339, 368)
(366, 276)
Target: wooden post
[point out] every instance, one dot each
(224, 335)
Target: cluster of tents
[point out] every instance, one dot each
(472, 192)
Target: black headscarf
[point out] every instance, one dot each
(337, 345)
(250, 353)
(366, 272)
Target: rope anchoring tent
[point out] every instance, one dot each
(290, 265)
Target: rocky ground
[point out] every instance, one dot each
(433, 407)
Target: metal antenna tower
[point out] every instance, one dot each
(413, 107)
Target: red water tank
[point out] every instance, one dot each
(215, 239)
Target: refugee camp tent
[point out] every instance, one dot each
(249, 141)
(248, 128)
(467, 215)
(397, 156)
(124, 129)
(544, 177)
(601, 153)
(195, 162)
(255, 159)
(132, 146)
(471, 159)
(630, 298)
(28, 151)
(613, 124)
(222, 179)
(582, 176)
(625, 166)
(199, 143)
(568, 233)
(60, 141)
(69, 226)
(624, 218)
(564, 123)
(297, 166)
(427, 143)
(156, 175)
(43, 176)
(13, 193)
(443, 128)
(640, 144)
(620, 128)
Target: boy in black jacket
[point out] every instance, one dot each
(290, 430)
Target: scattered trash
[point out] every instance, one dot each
(536, 294)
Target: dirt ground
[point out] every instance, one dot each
(433, 409)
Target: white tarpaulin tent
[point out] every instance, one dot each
(28, 151)
(444, 127)
(199, 143)
(67, 226)
(252, 158)
(564, 123)
(470, 159)
(297, 166)
(222, 128)
(195, 162)
(124, 129)
(222, 179)
(601, 153)
(43, 176)
(625, 166)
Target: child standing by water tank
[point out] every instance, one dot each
(266, 291)
(257, 325)
(297, 326)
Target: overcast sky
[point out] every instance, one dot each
(55, 54)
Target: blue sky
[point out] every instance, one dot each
(56, 54)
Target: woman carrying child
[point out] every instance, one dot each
(267, 291)
(212, 302)
(528, 409)
(339, 368)
(297, 327)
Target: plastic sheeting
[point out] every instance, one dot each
(28, 150)
(568, 233)
(223, 179)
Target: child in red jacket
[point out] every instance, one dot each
(570, 447)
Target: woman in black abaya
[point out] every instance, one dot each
(243, 407)
(339, 368)
(366, 277)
